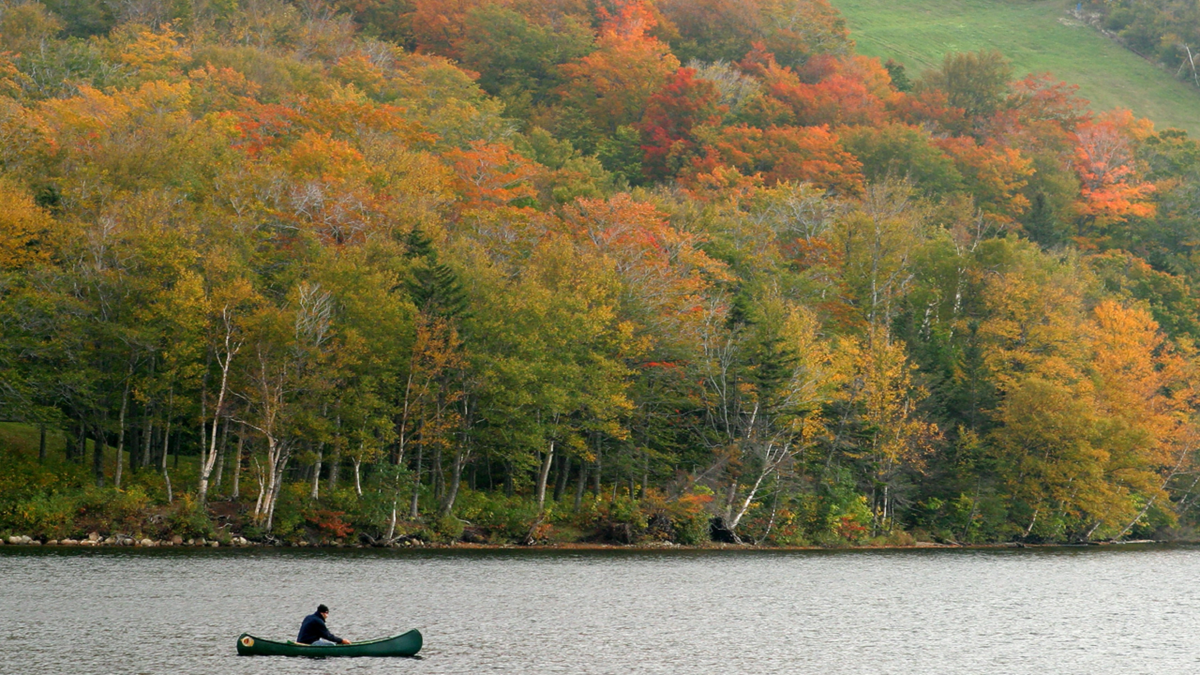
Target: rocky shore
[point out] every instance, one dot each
(95, 539)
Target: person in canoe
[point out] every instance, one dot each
(313, 631)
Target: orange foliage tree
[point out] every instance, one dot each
(992, 173)
(1112, 189)
(672, 114)
(491, 173)
(438, 26)
(781, 154)
(665, 271)
(612, 85)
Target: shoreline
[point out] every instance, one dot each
(22, 541)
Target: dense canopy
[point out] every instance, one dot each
(530, 270)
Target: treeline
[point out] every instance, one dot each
(562, 269)
(1166, 31)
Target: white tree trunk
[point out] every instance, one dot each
(231, 348)
(543, 475)
(357, 476)
(315, 492)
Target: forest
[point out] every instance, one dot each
(1165, 31)
(555, 271)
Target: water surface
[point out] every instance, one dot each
(995, 611)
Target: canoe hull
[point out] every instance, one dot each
(406, 644)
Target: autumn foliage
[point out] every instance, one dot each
(635, 269)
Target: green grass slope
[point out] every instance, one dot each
(1036, 36)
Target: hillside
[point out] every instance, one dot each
(515, 273)
(1036, 36)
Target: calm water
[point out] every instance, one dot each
(1046, 612)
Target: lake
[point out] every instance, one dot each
(1046, 611)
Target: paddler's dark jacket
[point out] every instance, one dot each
(314, 628)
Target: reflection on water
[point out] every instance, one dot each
(1004, 611)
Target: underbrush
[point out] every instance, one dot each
(55, 500)
(499, 518)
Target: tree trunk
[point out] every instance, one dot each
(461, 457)
(260, 478)
(98, 448)
(772, 458)
(121, 437)
(165, 450)
(222, 450)
(414, 507)
(147, 435)
(269, 489)
(730, 498)
(335, 458)
(237, 463)
(596, 478)
(580, 485)
(391, 531)
(42, 443)
(564, 473)
(207, 457)
(315, 492)
(166, 444)
(275, 495)
(335, 464)
(542, 475)
(203, 446)
(438, 480)
(133, 440)
(406, 408)
(357, 476)
(80, 442)
(278, 454)
(645, 472)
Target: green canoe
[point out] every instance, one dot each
(406, 644)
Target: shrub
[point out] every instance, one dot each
(110, 510)
(39, 499)
(289, 509)
(785, 526)
(448, 529)
(690, 519)
(851, 520)
(620, 520)
(369, 514)
(505, 519)
(684, 520)
(328, 523)
(187, 519)
(252, 532)
(50, 514)
(836, 514)
(961, 519)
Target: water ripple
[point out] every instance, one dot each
(610, 612)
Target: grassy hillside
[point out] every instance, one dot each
(1037, 36)
(23, 438)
